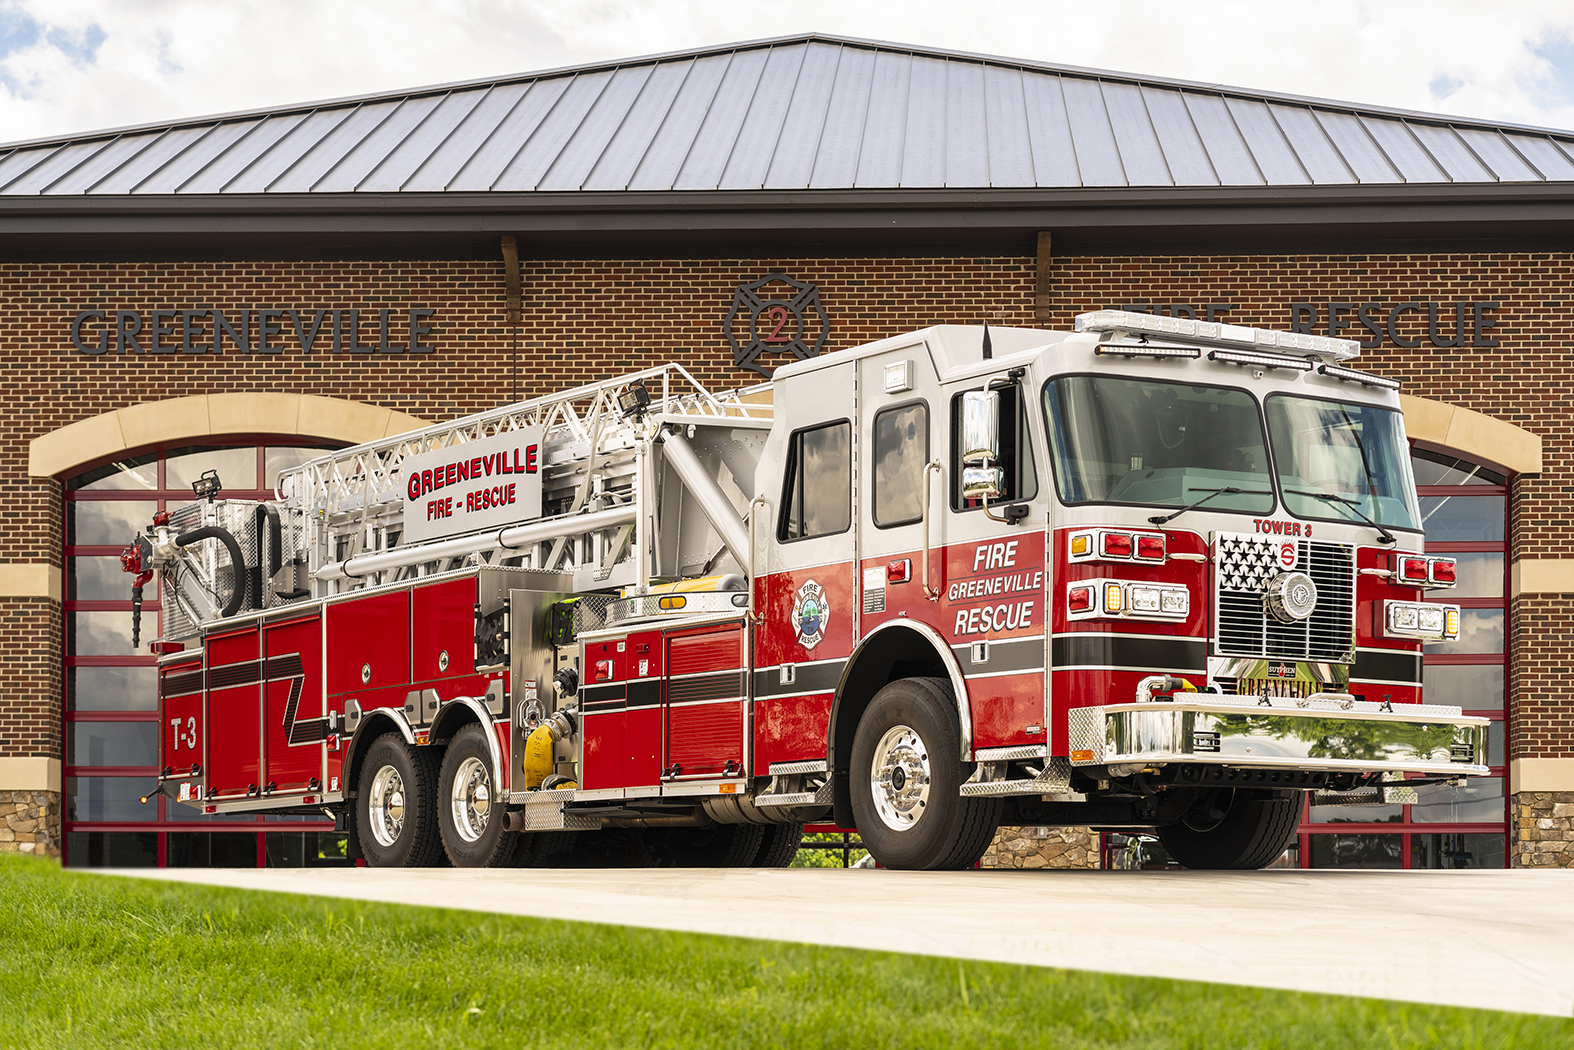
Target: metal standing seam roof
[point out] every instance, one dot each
(807, 112)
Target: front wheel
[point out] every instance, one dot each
(1243, 828)
(907, 778)
(469, 815)
(395, 805)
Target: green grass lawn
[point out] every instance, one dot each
(91, 961)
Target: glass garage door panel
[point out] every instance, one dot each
(111, 731)
(1464, 507)
(112, 744)
(112, 689)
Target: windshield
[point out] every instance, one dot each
(1155, 443)
(1335, 458)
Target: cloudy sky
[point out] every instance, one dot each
(75, 65)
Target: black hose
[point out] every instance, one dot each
(267, 518)
(238, 560)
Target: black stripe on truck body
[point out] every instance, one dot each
(1391, 666)
(1155, 652)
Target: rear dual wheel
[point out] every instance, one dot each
(419, 807)
(470, 815)
(396, 818)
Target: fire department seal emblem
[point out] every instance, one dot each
(792, 322)
(809, 614)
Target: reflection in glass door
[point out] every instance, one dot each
(111, 730)
(1464, 507)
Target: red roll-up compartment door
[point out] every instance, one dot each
(705, 703)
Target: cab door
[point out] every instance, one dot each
(897, 420)
(806, 557)
(992, 570)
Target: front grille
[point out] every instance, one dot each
(1244, 564)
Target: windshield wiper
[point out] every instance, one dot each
(1383, 535)
(1160, 519)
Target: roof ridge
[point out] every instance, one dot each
(795, 38)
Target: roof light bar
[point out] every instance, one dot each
(1144, 350)
(1217, 332)
(1261, 360)
(1350, 375)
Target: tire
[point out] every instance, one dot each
(780, 846)
(906, 780)
(469, 816)
(541, 849)
(1234, 829)
(716, 846)
(395, 805)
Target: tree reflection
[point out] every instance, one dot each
(1345, 737)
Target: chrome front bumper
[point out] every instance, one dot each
(1324, 732)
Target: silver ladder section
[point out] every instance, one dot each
(595, 467)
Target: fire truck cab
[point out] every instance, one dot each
(1152, 574)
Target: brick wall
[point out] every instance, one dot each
(582, 321)
(30, 646)
(1511, 381)
(1541, 663)
(585, 320)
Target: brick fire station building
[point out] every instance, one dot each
(233, 292)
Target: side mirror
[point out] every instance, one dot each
(980, 427)
(981, 482)
(980, 444)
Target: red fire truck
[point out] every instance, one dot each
(1154, 574)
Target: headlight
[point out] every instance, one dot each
(1421, 620)
(1119, 599)
(1143, 599)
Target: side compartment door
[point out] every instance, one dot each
(183, 725)
(705, 704)
(234, 676)
(368, 655)
(294, 722)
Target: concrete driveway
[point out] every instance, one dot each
(1500, 940)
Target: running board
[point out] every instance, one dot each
(1055, 780)
(823, 796)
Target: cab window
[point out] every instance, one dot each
(817, 492)
(901, 448)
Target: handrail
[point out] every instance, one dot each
(754, 505)
(932, 465)
(506, 538)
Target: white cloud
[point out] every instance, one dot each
(73, 65)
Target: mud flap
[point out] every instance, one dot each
(842, 799)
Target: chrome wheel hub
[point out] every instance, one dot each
(386, 806)
(899, 778)
(471, 799)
